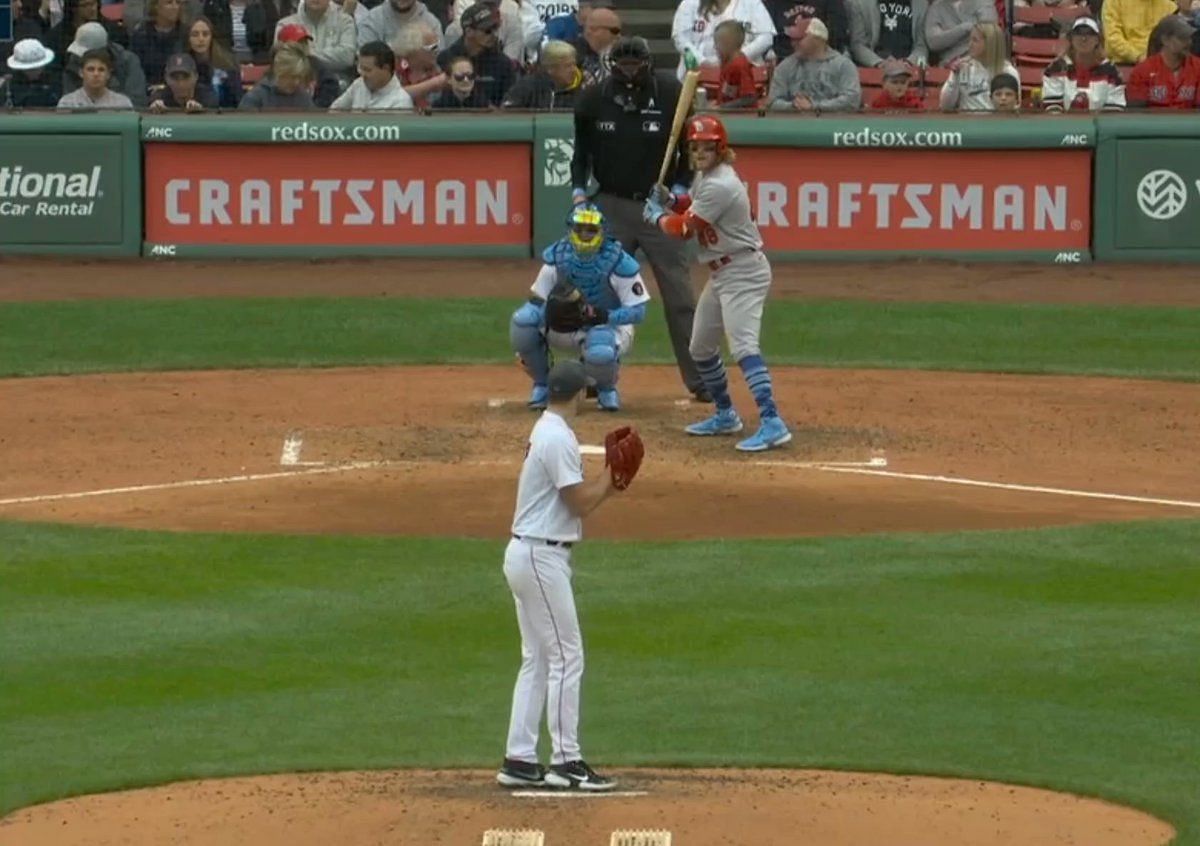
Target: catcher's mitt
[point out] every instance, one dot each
(623, 453)
(567, 310)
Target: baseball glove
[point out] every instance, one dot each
(623, 454)
(567, 311)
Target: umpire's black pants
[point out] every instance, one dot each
(668, 257)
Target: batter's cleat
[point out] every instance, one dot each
(608, 399)
(724, 422)
(521, 774)
(772, 433)
(577, 775)
(539, 397)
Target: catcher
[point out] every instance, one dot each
(552, 499)
(586, 299)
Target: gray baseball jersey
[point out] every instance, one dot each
(722, 203)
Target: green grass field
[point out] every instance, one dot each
(1063, 658)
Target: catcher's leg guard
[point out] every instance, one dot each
(529, 342)
(601, 360)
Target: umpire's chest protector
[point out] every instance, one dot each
(592, 275)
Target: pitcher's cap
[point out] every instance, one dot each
(566, 379)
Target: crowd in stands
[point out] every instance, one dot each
(812, 56)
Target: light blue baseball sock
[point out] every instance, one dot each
(758, 378)
(712, 373)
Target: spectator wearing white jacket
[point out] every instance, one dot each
(334, 35)
(697, 20)
(969, 88)
(513, 36)
(377, 86)
(1082, 79)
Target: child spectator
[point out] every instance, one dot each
(814, 78)
(555, 85)
(1082, 79)
(96, 70)
(377, 86)
(334, 35)
(126, 71)
(157, 38)
(31, 85)
(215, 66)
(183, 90)
(737, 89)
(949, 24)
(888, 29)
(1127, 26)
(1170, 78)
(327, 86)
(462, 90)
(694, 28)
(897, 95)
(969, 88)
(494, 72)
(287, 87)
(1006, 93)
(787, 13)
(416, 48)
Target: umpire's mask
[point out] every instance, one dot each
(630, 63)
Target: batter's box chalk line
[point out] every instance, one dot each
(513, 837)
(640, 837)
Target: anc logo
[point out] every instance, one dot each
(1162, 194)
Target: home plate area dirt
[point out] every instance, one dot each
(436, 451)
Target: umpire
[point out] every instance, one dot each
(622, 125)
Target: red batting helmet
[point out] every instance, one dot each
(708, 128)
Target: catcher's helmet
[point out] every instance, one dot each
(623, 56)
(708, 128)
(585, 228)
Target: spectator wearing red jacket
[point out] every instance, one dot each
(737, 87)
(1170, 78)
(897, 95)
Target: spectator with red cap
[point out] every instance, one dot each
(1170, 77)
(327, 86)
(495, 73)
(1082, 79)
(416, 49)
(215, 65)
(334, 35)
(897, 94)
(815, 78)
(126, 75)
(183, 89)
(387, 19)
(377, 87)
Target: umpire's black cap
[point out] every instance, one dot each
(566, 379)
(633, 47)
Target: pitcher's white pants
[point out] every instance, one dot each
(551, 651)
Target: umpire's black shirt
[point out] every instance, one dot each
(621, 135)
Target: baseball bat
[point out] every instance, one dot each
(691, 81)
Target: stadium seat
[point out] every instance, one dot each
(113, 12)
(1035, 52)
(872, 77)
(936, 76)
(762, 79)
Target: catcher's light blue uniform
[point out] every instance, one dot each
(609, 278)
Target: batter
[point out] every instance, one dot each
(718, 215)
(611, 283)
(552, 500)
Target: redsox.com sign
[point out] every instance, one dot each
(940, 200)
(338, 194)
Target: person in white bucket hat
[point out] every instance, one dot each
(30, 85)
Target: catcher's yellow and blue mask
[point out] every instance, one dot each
(585, 225)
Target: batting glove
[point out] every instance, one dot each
(653, 210)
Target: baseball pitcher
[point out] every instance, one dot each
(586, 299)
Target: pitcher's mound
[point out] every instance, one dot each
(700, 808)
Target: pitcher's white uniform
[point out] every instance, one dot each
(537, 565)
(731, 246)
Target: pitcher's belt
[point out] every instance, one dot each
(563, 544)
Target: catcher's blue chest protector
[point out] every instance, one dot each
(591, 275)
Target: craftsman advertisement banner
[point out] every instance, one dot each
(868, 200)
(378, 197)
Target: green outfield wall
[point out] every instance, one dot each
(976, 188)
